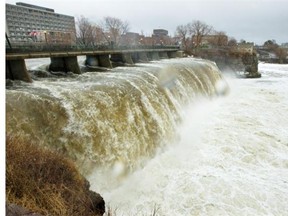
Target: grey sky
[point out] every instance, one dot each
(251, 20)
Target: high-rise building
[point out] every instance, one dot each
(160, 37)
(160, 32)
(32, 23)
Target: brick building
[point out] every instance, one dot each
(32, 23)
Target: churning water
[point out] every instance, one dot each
(231, 157)
(156, 138)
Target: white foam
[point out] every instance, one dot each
(231, 159)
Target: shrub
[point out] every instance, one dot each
(47, 183)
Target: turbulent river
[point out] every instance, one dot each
(165, 138)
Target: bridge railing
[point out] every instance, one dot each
(27, 48)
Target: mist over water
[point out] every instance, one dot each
(231, 157)
(157, 137)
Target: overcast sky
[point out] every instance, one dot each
(251, 20)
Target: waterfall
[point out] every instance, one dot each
(125, 114)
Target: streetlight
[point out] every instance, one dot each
(109, 41)
(45, 34)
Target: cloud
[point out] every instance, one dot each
(252, 20)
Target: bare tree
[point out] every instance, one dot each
(198, 30)
(220, 38)
(85, 31)
(182, 31)
(271, 45)
(281, 53)
(114, 28)
(232, 42)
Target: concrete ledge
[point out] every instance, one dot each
(46, 54)
(39, 55)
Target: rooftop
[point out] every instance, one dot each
(34, 6)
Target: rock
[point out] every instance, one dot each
(16, 210)
(253, 75)
(97, 203)
(228, 61)
(40, 73)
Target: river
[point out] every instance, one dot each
(165, 138)
(231, 159)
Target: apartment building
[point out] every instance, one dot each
(36, 24)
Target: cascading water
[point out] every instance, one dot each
(231, 157)
(201, 155)
(101, 119)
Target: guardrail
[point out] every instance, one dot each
(27, 48)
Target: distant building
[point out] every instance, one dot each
(147, 41)
(160, 32)
(32, 23)
(160, 37)
(130, 39)
(211, 40)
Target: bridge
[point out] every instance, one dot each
(64, 58)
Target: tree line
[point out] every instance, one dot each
(110, 29)
(189, 36)
(273, 47)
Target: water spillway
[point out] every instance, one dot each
(194, 154)
(124, 115)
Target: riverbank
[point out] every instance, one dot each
(42, 182)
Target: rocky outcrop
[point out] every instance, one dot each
(243, 64)
(97, 203)
(251, 65)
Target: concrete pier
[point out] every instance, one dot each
(126, 57)
(104, 61)
(16, 70)
(179, 54)
(98, 60)
(65, 64)
(172, 54)
(71, 64)
(66, 60)
(123, 58)
(142, 57)
(154, 56)
(163, 55)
